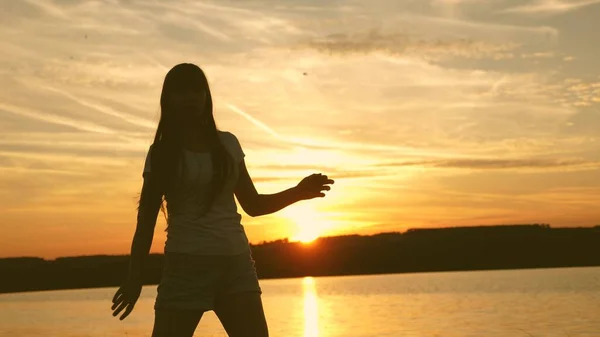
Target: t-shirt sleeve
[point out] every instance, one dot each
(238, 153)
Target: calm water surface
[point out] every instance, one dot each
(544, 303)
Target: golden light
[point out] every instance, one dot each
(305, 237)
(309, 224)
(311, 308)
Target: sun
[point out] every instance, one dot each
(305, 237)
(308, 224)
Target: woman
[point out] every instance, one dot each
(196, 169)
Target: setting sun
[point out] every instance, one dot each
(308, 223)
(305, 237)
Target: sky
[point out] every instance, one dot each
(427, 113)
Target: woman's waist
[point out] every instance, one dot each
(192, 243)
(186, 229)
(211, 218)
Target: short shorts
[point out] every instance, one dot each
(195, 281)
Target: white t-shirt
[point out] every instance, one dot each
(219, 231)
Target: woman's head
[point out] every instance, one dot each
(186, 100)
(187, 109)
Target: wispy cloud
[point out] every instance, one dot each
(550, 6)
(480, 164)
(538, 55)
(49, 8)
(500, 164)
(315, 142)
(38, 115)
(65, 158)
(409, 46)
(104, 109)
(8, 170)
(255, 121)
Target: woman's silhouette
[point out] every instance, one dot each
(196, 169)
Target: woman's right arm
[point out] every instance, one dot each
(256, 204)
(149, 205)
(148, 208)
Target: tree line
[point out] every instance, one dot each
(416, 250)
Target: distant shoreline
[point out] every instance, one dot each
(317, 276)
(458, 249)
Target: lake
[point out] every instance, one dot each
(512, 303)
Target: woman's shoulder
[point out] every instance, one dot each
(225, 133)
(228, 137)
(231, 142)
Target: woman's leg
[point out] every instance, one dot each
(242, 314)
(175, 322)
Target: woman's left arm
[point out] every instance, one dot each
(255, 204)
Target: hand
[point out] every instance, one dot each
(313, 186)
(126, 297)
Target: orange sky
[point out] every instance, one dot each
(443, 113)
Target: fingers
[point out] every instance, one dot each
(327, 181)
(119, 299)
(120, 302)
(115, 305)
(127, 311)
(120, 308)
(117, 295)
(322, 178)
(315, 184)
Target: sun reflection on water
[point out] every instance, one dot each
(311, 312)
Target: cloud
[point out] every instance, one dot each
(406, 45)
(500, 164)
(317, 142)
(387, 170)
(331, 173)
(550, 6)
(65, 158)
(48, 8)
(135, 120)
(255, 121)
(60, 120)
(30, 170)
(196, 26)
(538, 55)
(580, 93)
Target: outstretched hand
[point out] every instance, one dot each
(313, 186)
(126, 297)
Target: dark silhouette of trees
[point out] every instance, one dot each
(416, 250)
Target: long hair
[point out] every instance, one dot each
(167, 147)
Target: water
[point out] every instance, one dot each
(544, 303)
